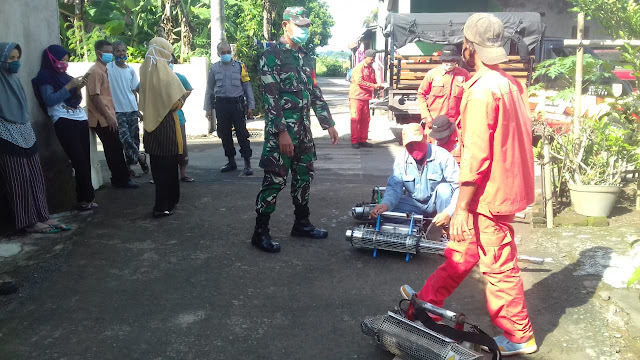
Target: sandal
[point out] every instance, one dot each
(59, 226)
(142, 159)
(187, 179)
(42, 230)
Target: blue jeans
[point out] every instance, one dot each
(439, 201)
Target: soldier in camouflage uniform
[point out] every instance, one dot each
(290, 91)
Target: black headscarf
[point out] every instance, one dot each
(48, 75)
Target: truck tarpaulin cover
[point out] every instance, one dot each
(446, 28)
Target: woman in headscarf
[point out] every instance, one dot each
(20, 172)
(59, 96)
(161, 96)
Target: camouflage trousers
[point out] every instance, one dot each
(276, 169)
(129, 133)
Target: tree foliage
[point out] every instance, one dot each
(560, 74)
(621, 20)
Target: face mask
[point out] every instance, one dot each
(121, 59)
(13, 66)
(225, 58)
(59, 66)
(417, 150)
(449, 67)
(106, 58)
(300, 35)
(171, 66)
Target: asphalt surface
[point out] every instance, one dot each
(192, 287)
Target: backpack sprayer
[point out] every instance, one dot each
(425, 339)
(399, 232)
(392, 231)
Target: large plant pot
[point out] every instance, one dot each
(594, 200)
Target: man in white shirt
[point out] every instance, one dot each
(124, 84)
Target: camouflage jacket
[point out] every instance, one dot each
(290, 90)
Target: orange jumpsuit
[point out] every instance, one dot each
(497, 156)
(363, 82)
(440, 93)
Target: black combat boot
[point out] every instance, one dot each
(231, 165)
(302, 227)
(247, 167)
(261, 238)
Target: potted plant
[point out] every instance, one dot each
(594, 161)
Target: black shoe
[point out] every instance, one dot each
(366, 144)
(129, 185)
(161, 214)
(263, 241)
(355, 146)
(303, 228)
(230, 166)
(248, 171)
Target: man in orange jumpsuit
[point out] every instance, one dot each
(444, 133)
(496, 181)
(363, 82)
(441, 90)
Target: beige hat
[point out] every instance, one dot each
(485, 32)
(412, 132)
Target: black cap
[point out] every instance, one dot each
(370, 53)
(441, 127)
(450, 53)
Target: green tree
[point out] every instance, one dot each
(621, 20)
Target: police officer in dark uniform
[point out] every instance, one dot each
(228, 88)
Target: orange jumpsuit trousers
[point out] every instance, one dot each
(494, 248)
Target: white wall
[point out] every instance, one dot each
(196, 72)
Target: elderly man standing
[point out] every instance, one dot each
(363, 82)
(496, 181)
(290, 91)
(440, 92)
(227, 89)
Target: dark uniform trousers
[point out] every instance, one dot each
(230, 114)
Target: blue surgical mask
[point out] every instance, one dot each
(13, 66)
(300, 35)
(120, 59)
(225, 58)
(106, 58)
(171, 66)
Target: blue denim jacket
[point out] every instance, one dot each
(440, 168)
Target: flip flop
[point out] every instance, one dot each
(42, 230)
(59, 226)
(187, 179)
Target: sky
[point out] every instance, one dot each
(348, 15)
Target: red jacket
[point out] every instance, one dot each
(496, 143)
(363, 82)
(440, 93)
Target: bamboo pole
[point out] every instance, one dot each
(577, 112)
(548, 182)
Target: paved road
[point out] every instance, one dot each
(192, 287)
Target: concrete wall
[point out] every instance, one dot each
(34, 25)
(196, 72)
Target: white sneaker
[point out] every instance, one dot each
(508, 348)
(407, 292)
